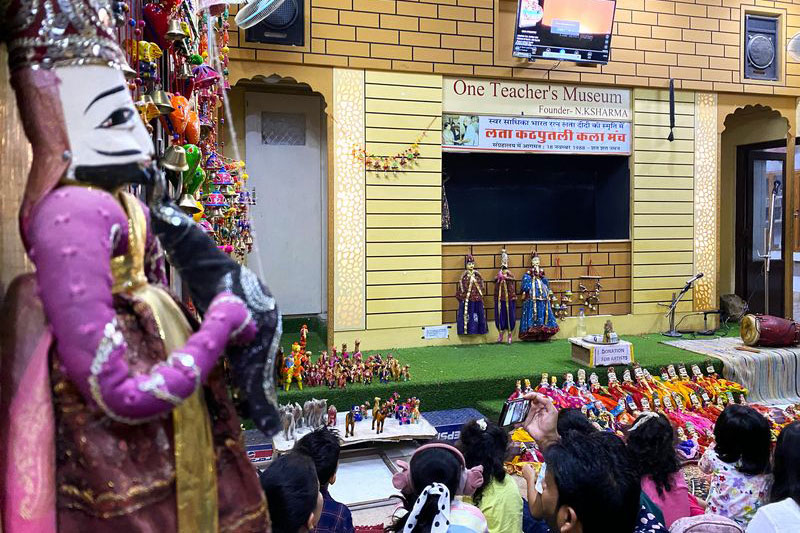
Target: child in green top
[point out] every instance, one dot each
(484, 443)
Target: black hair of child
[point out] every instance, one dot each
(652, 448)
(322, 446)
(433, 465)
(743, 437)
(786, 465)
(291, 487)
(484, 447)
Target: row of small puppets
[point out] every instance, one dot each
(538, 322)
(691, 403)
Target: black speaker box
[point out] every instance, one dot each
(286, 26)
(761, 52)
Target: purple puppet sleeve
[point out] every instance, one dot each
(73, 233)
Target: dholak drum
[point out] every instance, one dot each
(767, 330)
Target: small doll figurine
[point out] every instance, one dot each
(608, 329)
(528, 387)
(405, 374)
(582, 380)
(331, 422)
(345, 355)
(471, 317)
(303, 337)
(517, 391)
(645, 404)
(543, 384)
(505, 318)
(568, 384)
(415, 414)
(288, 368)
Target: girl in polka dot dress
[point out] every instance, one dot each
(429, 484)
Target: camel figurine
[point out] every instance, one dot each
(287, 419)
(308, 413)
(297, 413)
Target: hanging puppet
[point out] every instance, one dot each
(505, 300)
(538, 323)
(99, 353)
(471, 318)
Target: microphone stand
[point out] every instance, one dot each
(671, 311)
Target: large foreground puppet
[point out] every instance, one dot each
(114, 413)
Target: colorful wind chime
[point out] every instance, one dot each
(179, 53)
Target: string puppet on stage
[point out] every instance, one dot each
(471, 317)
(538, 323)
(114, 414)
(505, 300)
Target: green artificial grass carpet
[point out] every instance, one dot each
(449, 377)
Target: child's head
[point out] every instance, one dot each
(292, 490)
(786, 465)
(322, 446)
(484, 443)
(651, 443)
(433, 467)
(743, 438)
(572, 419)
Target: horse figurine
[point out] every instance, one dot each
(378, 420)
(376, 407)
(350, 424)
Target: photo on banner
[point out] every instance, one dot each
(460, 130)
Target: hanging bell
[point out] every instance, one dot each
(184, 73)
(188, 204)
(175, 159)
(175, 31)
(162, 101)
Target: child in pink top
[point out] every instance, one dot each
(651, 442)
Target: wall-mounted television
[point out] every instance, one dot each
(565, 30)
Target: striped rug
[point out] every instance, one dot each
(772, 375)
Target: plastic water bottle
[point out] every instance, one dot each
(581, 323)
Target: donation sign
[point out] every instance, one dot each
(548, 135)
(469, 96)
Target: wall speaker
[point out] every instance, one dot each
(761, 47)
(285, 26)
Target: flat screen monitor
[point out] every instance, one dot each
(565, 30)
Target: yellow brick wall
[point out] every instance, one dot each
(663, 200)
(696, 42)
(404, 209)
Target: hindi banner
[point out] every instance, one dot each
(473, 133)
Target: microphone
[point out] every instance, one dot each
(695, 278)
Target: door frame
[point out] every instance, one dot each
(744, 206)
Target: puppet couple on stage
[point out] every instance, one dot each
(115, 415)
(537, 322)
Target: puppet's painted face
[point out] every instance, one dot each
(108, 141)
(535, 261)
